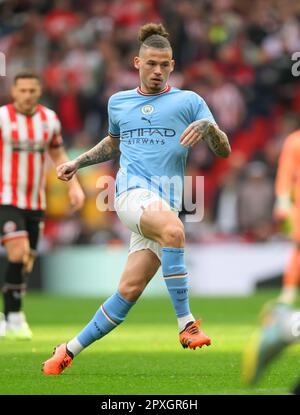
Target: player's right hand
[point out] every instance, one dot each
(66, 170)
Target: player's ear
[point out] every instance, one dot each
(172, 65)
(40, 91)
(137, 62)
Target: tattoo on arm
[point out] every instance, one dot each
(216, 139)
(107, 149)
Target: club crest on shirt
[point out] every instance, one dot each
(147, 109)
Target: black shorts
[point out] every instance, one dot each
(16, 223)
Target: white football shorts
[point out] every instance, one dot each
(129, 207)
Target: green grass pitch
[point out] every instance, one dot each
(143, 355)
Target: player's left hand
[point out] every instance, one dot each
(76, 197)
(194, 133)
(282, 208)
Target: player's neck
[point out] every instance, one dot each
(19, 109)
(145, 91)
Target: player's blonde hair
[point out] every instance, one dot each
(154, 35)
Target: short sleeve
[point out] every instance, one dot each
(56, 140)
(201, 110)
(113, 126)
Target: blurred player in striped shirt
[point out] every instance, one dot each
(28, 131)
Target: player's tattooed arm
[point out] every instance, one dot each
(107, 149)
(216, 139)
(205, 130)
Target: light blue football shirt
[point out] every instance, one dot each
(149, 127)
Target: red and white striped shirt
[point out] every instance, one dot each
(24, 140)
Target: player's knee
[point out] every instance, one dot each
(131, 292)
(18, 254)
(173, 236)
(17, 249)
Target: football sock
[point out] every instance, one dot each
(288, 295)
(13, 288)
(176, 279)
(111, 313)
(74, 347)
(183, 321)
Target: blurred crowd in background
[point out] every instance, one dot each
(236, 54)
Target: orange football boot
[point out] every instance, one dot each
(193, 337)
(58, 362)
